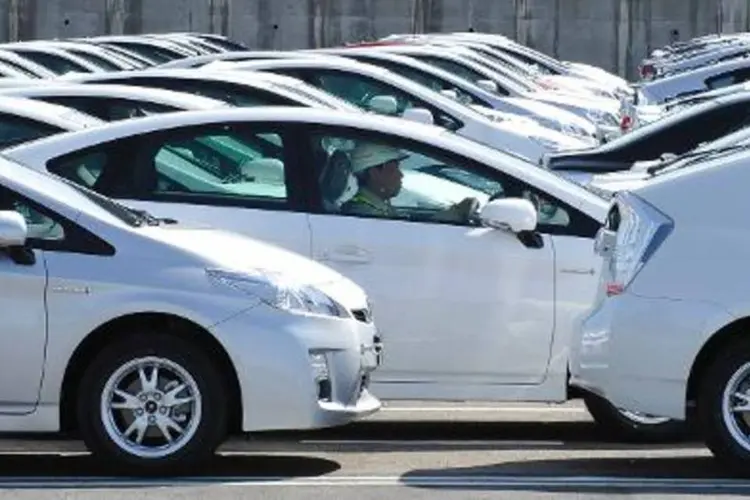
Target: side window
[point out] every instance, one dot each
(237, 95)
(360, 90)
(431, 81)
(40, 227)
(453, 67)
(368, 176)
(83, 168)
(16, 130)
(235, 165)
(728, 78)
(58, 64)
(109, 109)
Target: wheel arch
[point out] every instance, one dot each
(165, 322)
(725, 335)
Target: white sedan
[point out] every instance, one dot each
(480, 307)
(156, 340)
(361, 83)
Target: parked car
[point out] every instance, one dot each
(155, 339)
(677, 133)
(469, 300)
(673, 281)
(236, 89)
(114, 102)
(699, 80)
(366, 86)
(24, 120)
(476, 95)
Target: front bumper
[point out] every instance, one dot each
(638, 352)
(271, 352)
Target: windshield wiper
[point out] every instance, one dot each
(696, 156)
(145, 217)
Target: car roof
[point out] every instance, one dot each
(567, 191)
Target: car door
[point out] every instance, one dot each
(230, 176)
(457, 303)
(22, 302)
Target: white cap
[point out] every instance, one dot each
(366, 155)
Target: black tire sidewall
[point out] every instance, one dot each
(616, 425)
(715, 432)
(211, 430)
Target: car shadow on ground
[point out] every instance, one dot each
(467, 435)
(595, 475)
(83, 471)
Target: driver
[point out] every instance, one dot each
(378, 172)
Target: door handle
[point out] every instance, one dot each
(347, 253)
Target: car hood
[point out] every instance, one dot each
(217, 248)
(552, 111)
(551, 139)
(618, 181)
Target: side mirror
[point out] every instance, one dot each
(450, 93)
(421, 115)
(516, 215)
(383, 104)
(667, 156)
(13, 230)
(488, 85)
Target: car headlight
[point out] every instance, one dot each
(277, 291)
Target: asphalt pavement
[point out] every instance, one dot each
(407, 451)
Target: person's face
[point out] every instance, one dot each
(386, 179)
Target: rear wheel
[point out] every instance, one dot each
(153, 403)
(631, 426)
(724, 405)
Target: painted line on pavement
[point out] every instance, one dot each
(429, 443)
(568, 482)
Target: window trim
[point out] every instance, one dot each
(126, 165)
(77, 239)
(581, 224)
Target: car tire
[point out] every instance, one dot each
(624, 426)
(728, 372)
(112, 402)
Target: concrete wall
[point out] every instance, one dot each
(614, 34)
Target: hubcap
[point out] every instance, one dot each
(151, 407)
(735, 406)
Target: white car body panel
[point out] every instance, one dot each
(693, 284)
(162, 270)
(519, 342)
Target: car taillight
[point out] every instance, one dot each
(633, 232)
(648, 70)
(626, 123)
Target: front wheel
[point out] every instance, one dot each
(630, 426)
(152, 403)
(723, 406)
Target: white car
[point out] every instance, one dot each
(474, 309)
(667, 335)
(359, 83)
(24, 120)
(110, 102)
(604, 112)
(237, 89)
(157, 339)
(484, 95)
